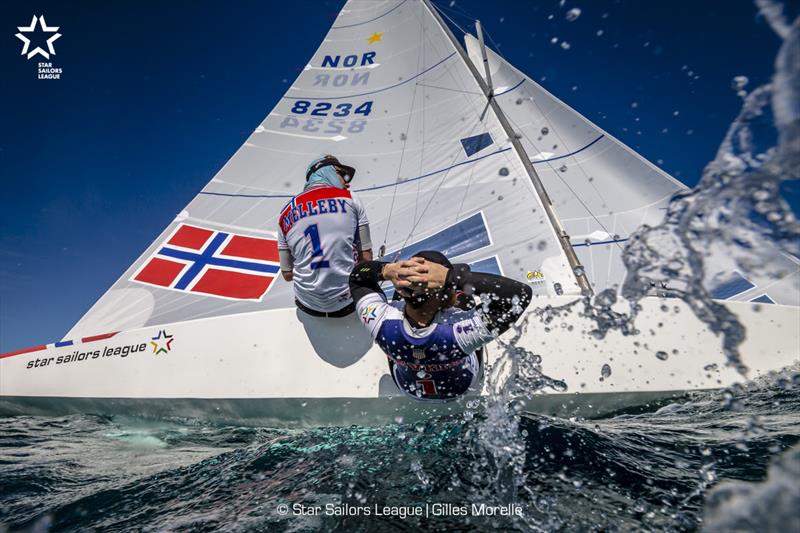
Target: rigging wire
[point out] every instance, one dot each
(465, 14)
(403, 150)
(476, 93)
(456, 153)
(556, 172)
(424, 107)
(435, 191)
(441, 10)
(463, 31)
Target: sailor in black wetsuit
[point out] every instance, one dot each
(430, 343)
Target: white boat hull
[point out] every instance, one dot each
(244, 368)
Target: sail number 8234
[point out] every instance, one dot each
(324, 109)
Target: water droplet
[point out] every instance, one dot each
(565, 45)
(605, 371)
(545, 130)
(606, 298)
(562, 168)
(739, 82)
(500, 197)
(503, 171)
(573, 14)
(662, 355)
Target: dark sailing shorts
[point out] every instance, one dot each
(344, 311)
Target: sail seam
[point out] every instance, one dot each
(366, 189)
(368, 21)
(434, 172)
(510, 89)
(579, 150)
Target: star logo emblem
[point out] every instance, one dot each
(26, 42)
(375, 38)
(161, 343)
(369, 314)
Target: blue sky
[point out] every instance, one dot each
(155, 97)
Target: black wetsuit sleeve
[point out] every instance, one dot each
(503, 299)
(365, 279)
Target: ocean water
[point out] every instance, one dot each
(657, 468)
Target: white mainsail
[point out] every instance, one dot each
(387, 93)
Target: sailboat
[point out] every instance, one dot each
(455, 150)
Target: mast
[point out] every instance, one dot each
(485, 58)
(577, 269)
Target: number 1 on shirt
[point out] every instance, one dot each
(312, 232)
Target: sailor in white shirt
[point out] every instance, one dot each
(323, 232)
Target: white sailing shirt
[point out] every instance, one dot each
(319, 227)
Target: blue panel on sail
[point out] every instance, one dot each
(463, 237)
(476, 143)
(763, 299)
(730, 286)
(487, 266)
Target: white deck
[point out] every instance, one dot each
(273, 367)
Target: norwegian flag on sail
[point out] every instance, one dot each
(213, 263)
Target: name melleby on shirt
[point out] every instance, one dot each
(311, 208)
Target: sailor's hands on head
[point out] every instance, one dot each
(415, 275)
(435, 275)
(404, 274)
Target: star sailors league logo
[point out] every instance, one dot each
(207, 262)
(27, 41)
(45, 36)
(161, 343)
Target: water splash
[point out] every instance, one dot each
(499, 442)
(736, 212)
